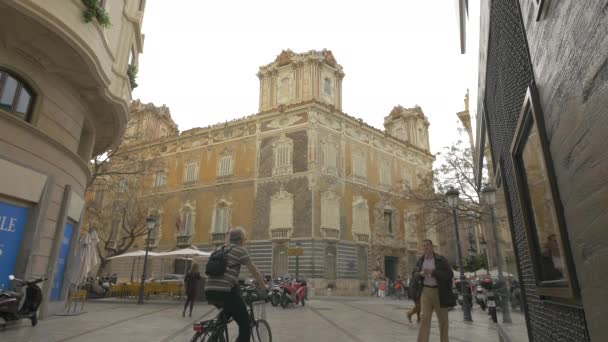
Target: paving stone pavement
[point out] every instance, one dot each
(332, 319)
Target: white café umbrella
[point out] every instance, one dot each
(86, 257)
(186, 252)
(134, 254)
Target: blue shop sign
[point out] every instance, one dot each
(12, 226)
(61, 260)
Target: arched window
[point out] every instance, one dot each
(16, 97)
(327, 86)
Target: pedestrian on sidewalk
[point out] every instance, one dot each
(192, 282)
(414, 293)
(435, 274)
(381, 289)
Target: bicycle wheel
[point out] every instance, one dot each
(261, 331)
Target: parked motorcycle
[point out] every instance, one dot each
(293, 292)
(17, 305)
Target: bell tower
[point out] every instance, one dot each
(410, 125)
(299, 77)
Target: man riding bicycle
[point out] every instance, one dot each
(224, 289)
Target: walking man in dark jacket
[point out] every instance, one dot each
(434, 274)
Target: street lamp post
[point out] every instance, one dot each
(150, 223)
(298, 245)
(452, 197)
(489, 195)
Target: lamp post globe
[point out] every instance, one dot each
(298, 245)
(488, 194)
(150, 224)
(452, 197)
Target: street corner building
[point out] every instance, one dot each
(64, 96)
(542, 109)
(298, 173)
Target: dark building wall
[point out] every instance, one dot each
(569, 50)
(564, 55)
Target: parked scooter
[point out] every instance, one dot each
(293, 292)
(276, 292)
(480, 297)
(492, 299)
(17, 305)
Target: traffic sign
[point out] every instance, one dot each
(295, 251)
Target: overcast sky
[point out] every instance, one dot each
(201, 57)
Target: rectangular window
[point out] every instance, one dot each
(385, 174)
(282, 153)
(327, 86)
(329, 158)
(122, 185)
(190, 172)
(99, 198)
(188, 223)
(225, 166)
(388, 221)
(221, 219)
(549, 246)
(359, 166)
(161, 179)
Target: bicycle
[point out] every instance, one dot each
(216, 330)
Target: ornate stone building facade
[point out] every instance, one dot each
(300, 171)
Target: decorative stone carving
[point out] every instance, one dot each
(329, 122)
(357, 134)
(283, 121)
(282, 154)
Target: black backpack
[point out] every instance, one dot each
(216, 266)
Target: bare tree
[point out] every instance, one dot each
(122, 221)
(107, 166)
(116, 207)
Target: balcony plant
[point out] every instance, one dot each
(132, 73)
(95, 9)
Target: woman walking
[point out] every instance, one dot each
(192, 282)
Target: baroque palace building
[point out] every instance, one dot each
(64, 97)
(300, 172)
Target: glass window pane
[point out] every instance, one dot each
(23, 103)
(543, 213)
(8, 92)
(552, 265)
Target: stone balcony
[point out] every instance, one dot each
(330, 233)
(280, 233)
(361, 237)
(218, 238)
(183, 240)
